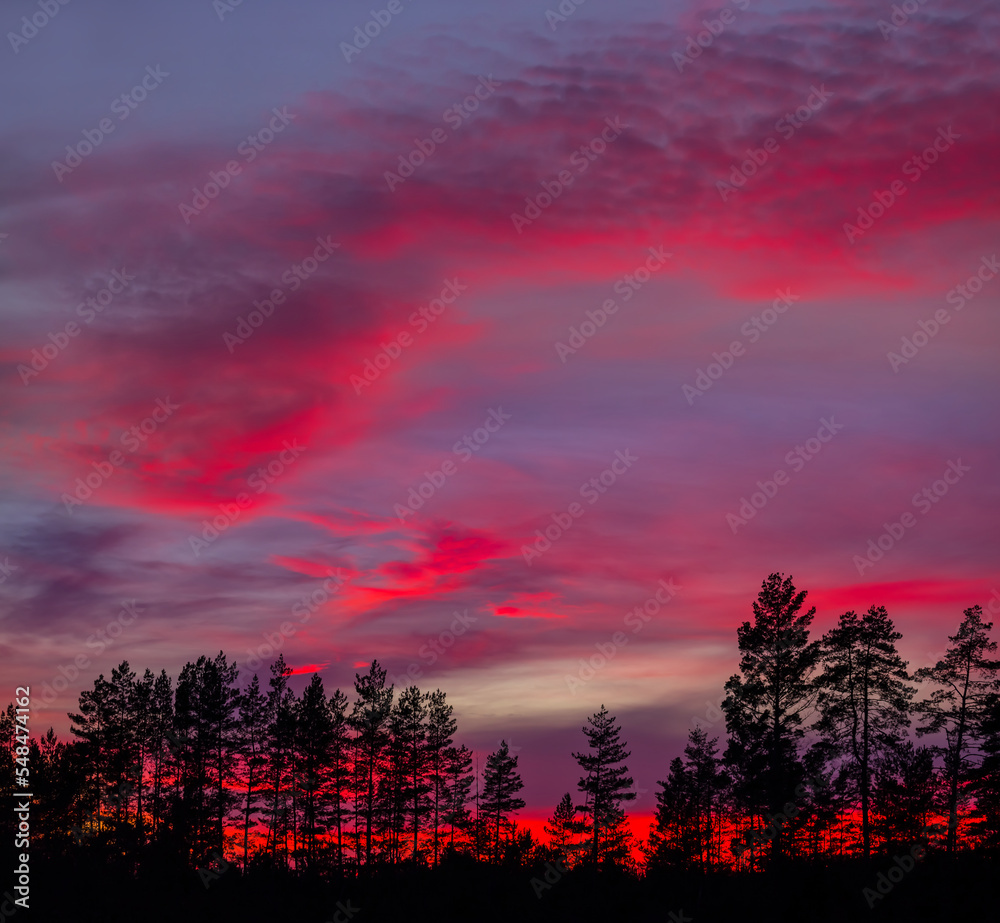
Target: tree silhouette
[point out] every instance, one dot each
(313, 739)
(767, 702)
(966, 677)
(253, 717)
(564, 827)
(460, 778)
(501, 783)
(441, 727)
(606, 783)
(904, 795)
(160, 779)
(864, 698)
(339, 754)
(281, 721)
(986, 778)
(369, 720)
(688, 804)
(160, 728)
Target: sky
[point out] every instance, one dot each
(453, 343)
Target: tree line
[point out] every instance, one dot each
(817, 762)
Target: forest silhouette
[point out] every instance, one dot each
(844, 786)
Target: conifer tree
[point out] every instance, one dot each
(253, 721)
(313, 741)
(905, 793)
(670, 841)
(281, 715)
(606, 783)
(91, 725)
(220, 700)
(191, 758)
(458, 791)
(143, 710)
(986, 780)
(408, 724)
(864, 699)
(369, 720)
(161, 723)
(966, 678)
(501, 783)
(688, 805)
(767, 702)
(441, 727)
(564, 827)
(340, 768)
(121, 743)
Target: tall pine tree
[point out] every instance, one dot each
(606, 783)
(313, 741)
(441, 727)
(253, 720)
(767, 702)
(340, 768)
(369, 720)
(864, 699)
(966, 678)
(501, 783)
(689, 806)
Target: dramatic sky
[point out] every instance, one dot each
(753, 216)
